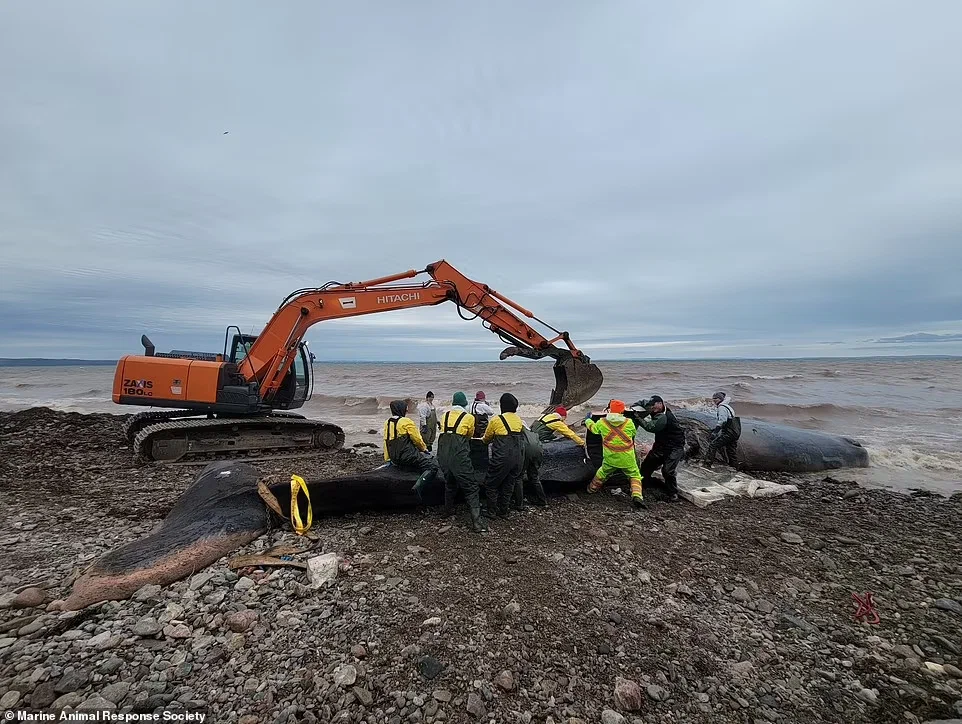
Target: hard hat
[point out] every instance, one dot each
(616, 406)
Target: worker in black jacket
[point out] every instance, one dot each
(669, 447)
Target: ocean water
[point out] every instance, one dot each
(906, 411)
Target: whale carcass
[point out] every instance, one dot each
(223, 510)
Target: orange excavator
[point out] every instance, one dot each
(239, 400)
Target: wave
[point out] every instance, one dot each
(830, 373)
(822, 409)
(764, 377)
(93, 393)
(906, 457)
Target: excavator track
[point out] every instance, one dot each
(135, 423)
(186, 439)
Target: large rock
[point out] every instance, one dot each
(115, 692)
(148, 626)
(610, 716)
(97, 703)
(628, 695)
(242, 621)
(475, 706)
(345, 675)
(947, 604)
(30, 598)
(322, 569)
(72, 681)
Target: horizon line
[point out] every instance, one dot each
(80, 361)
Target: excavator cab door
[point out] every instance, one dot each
(303, 379)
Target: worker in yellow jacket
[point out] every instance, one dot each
(552, 424)
(454, 456)
(617, 434)
(505, 434)
(404, 447)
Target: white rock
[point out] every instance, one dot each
(145, 593)
(200, 580)
(100, 639)
(610, 716)
(433, 621)
(6, 599)
(9, 700)
(321, 569)
(245, 584)
(345, 675)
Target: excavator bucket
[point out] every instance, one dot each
(576, 381)
(576, 378)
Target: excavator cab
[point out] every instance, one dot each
(298, 385)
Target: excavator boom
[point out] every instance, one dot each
(251, 390)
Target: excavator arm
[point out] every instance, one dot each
(267, 362)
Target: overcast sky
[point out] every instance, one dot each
(696, 179)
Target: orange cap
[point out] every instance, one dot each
(616, 406)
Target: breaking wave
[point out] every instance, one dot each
(821, 409)
(906, 457)
(763, 377)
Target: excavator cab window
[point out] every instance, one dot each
(240, 345)
(302, 374)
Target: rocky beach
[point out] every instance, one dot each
(582, 612)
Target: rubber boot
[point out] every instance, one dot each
(637, 498)
(448, 510)
(422, 481)
(595, 485)
(477, 520)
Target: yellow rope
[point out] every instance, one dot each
(298, 485)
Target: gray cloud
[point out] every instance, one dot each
(700, 180)
(921, 337)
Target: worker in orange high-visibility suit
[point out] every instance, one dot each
(617, 434)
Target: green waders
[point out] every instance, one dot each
(454, 457)
(406, 456)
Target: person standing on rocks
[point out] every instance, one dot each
(669, 447)
(428, 420)
(727, 430)
(404, 447)
(505, 434)
(617, 434)
(530, 480)
(482, 412)
(454, 457)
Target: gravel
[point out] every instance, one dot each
(581, 612)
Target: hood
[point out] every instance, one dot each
(616, 417)
(399, 408)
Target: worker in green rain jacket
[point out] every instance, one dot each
(617, 434)
(454, 457)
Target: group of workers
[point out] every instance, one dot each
(500, 479)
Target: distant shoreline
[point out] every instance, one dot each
(72, 362)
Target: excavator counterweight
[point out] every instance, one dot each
(239, 400)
